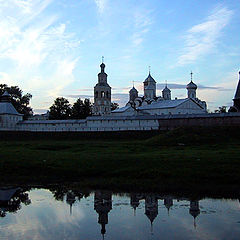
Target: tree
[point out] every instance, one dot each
(114, 106)
(78, 109)
(19, 101)
(87, 108)
(61, 109)
(222, 109)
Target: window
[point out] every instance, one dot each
(96, 94)
(102, 94)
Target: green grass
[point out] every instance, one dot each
(177, 158)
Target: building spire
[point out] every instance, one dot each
(102, 66)
(191, 75)
(149, 69)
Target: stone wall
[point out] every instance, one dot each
(130, 123)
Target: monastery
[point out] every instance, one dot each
(147, 112)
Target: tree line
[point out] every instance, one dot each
(62, 109)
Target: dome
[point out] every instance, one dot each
(149, 79)
(133, 90)
(166, 89)
(191, 85)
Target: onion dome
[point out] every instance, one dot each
(191, 85)
(133, 90)
(102, 66)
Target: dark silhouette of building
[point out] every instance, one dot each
(103, 205)
(168, 202)
(134, 201)
(151, 208)
(236, 100)
(70, 199)
(194, 210)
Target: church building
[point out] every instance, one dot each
(150, 104)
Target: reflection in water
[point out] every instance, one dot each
(103, 205)
(11, 200)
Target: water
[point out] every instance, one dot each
(65, 214)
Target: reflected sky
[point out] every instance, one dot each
(101, 214)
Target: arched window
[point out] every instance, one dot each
(96, 94)
(107, 94)
(102, 94)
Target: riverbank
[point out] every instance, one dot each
(181, 158)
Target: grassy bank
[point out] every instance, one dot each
(183, 157)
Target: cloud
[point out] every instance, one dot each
(183, 86)
(202, 38)
(101, 5)
(39, 52)
(78, 96)
(142, 22)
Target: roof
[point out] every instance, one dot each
(191, 85)
(8, 108)
(166, 89)
(164, 104)
(237, 95)
(7, 194)
(76, 121)
(149, 79)
(122, 109)
(133, 89)
(6, 94)
(165, 116)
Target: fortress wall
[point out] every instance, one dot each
(213, 121)
(134, 123)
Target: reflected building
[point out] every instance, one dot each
(134, 201)
(151, 207)
(168, 202)
(103, 205)
(70, 199)
(194, 210)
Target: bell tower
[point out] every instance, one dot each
(102, 94)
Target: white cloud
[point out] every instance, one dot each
(202, 38)
(38, 47)
(142, 23)
(101, 5)
(217, 97)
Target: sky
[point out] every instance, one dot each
(53, 48)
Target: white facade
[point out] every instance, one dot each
(9, 117)
(140, 113)
(150, 104)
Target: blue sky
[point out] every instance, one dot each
(53, 48)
